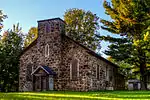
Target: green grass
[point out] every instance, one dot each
(65, 95)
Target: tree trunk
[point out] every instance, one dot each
(143, 83)
(4, 87)
(143, 76)
(142, 62)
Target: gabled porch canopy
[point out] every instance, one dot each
(43, 78)
(46, 69)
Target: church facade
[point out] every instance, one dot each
(54, 61)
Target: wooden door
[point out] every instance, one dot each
(37, 83)
(44, 84)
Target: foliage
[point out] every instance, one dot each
(2, 17)
(83, 26)
(10, 49)
(130, 19)
(119, 49)
(16, 28)
(31, 36)
(126, 69)
(66, 95)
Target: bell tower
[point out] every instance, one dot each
(51, 26)
(49, 42)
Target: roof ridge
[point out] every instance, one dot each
(91, 51)
(52, 19)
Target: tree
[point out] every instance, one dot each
(31, 36)
(10, 49)
(2, 17)
(16, 28)
(131, 19)
(83, 26)
(126, 69)
(119, 49)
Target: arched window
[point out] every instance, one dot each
(74, 69)
(110, 75)
(47, 28)
(107, 73)
(97, 72)
(47, 50)
(28, 72)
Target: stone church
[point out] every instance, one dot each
(54, 61)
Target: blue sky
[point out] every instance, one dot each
(28, 12)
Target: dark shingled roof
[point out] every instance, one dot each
(28, 47)
(49, 70)
(91, 52)
(52, 19)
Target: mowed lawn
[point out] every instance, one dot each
(65, 95)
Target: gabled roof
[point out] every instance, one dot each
(92, 52)
(47, 69)
(87, 49)
(28, 47)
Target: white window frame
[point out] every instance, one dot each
(77, 68)
(107, 73)
(47, 50)
(32, 69)
(91, 82)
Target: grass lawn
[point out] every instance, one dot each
(65, 95)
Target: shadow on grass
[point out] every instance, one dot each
(42, 97)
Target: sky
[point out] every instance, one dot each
(28, 12)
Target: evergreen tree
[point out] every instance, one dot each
(130, 19)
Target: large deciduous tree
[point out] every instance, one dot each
(130, 19)
(83, 27)
(31, 36)
(10, 49)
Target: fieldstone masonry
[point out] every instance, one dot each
(61, 51)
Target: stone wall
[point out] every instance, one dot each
(87, 69)
(35, 55)
(61, 52)
(26, 59)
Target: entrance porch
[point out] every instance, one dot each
(43, 78)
